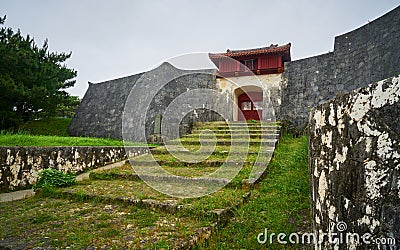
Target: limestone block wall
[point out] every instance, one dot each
(20, 165)
(181, 83)
(354, 165)
(367, 54)
(156, 90)
(99, 113)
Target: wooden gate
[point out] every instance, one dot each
(250, 105)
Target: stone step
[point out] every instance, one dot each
(238, 123)
(109, 176)
(236, 153)
(238, 127)
(187, 174)
(159, 177)
(262, 142)
(180, 164)
(169, 206)
(183, 179)
(220, 150)
(166, 204)
(240, 131)
(191, 163)
(234, 136)
(114, 175)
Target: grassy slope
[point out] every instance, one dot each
(46, 140)
(53, 132)
(51, 126)
(281, 202)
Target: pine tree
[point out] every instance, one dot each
(32, 79)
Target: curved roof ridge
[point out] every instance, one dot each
(273, 48)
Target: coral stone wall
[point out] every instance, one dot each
(174, 83)
(99, 114)
(354, 165)
(20, 165)
(367, 54)
(101, 111)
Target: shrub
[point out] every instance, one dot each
(54, 178)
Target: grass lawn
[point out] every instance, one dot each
(280, 203)
(8, 139)
(53, 132)
(72, 224)
(50, 126)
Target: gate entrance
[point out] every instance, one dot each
(250, 105)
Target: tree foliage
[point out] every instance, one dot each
(32, 79)
(68, 107)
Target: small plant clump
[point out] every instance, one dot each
(54, 178)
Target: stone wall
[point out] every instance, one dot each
(20, 165)
(101, 112)
(354, 165)
(182, 81)
(367, 54)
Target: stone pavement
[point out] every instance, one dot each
(17, 195)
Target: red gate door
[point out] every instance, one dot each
(250, 105)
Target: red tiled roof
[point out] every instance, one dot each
(250, 52)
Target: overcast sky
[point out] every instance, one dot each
(113, 38)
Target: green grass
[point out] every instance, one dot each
(69, 224)
(117, 188)
(280, 202)
(24, 139)
(21, 139)
(53, 132)
(50, 126)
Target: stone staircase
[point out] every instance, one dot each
(218, 163)
(210, 146)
